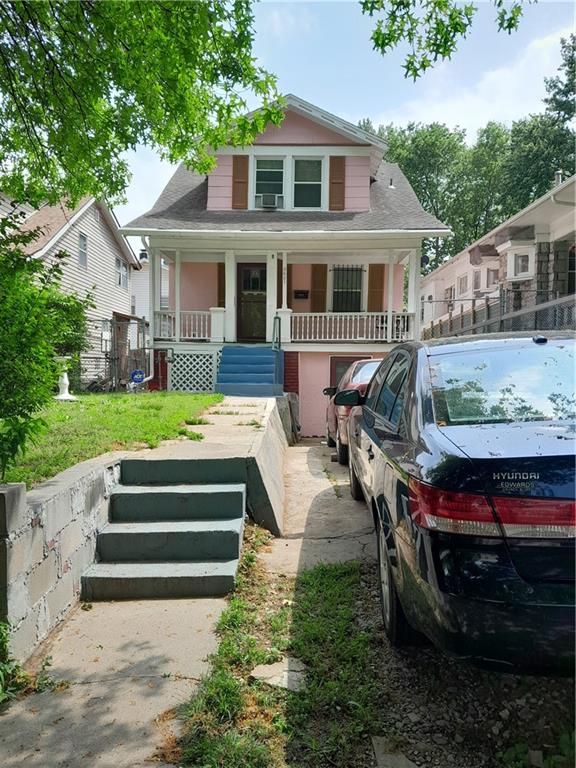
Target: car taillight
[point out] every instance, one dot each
(477, 515)
(536, 517)
(450, 511)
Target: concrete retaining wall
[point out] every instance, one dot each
(47, 540)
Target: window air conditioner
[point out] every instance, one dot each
(269, 201)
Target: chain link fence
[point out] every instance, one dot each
(115, 348)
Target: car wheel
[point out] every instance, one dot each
(329, 439)
(396, 626)
(355, 487)
(341, 450)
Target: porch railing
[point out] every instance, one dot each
(351, 326)
(194, 326)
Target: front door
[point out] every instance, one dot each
(251, 302)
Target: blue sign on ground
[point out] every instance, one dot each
(138, 376)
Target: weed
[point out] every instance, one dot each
(255, 423)
(13, 679)
(194, 435)
(331, 477)
(225, 413)
(518, 755)
(196, 421)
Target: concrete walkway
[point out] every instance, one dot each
(322, 523)
(127, 663)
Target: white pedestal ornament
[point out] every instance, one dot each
(63, 381)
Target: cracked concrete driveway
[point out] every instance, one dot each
(322, 523)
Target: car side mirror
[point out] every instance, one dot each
(349, 397)
(329, 391)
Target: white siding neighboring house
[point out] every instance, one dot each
(530, 257)
(100, 260)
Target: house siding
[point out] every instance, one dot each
(296, 129)
(99, 277)
(141, 290)
(220, 185)
(357, 196)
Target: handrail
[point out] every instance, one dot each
(276, 332)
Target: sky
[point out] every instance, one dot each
(321, 51)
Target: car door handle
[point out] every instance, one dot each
(370, 453)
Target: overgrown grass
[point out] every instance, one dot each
(98, 423)
(234, 720)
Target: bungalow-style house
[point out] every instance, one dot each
(527, 260)
(100, 262)
(286, 263)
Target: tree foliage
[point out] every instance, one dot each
(474, 187)
(37, 322)
(431, 28)
(82, 82)
(561, 89)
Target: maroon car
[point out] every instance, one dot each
(357, 376)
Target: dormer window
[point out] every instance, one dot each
(269, 183)
(307, 183)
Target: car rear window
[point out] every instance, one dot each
(365, 371)
(507, 384)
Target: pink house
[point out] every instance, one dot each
(284, 264)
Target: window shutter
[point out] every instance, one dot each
(375, 287)
(278, 283)
(221, 284)
(290, 293)
(318, 291)
(337, 187)
(240, 181)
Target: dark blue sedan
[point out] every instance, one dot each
(465, 452)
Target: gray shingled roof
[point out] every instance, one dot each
(182, 206)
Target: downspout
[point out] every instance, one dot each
(146, 247)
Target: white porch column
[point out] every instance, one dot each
(217, 321)
(177, 297)
(414, 289)
(152, 256)
(271, 292)
(390, 301)
(157, 299)
(285, 280)
(285, 316)
(230, 296)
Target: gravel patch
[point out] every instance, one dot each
(441, 712)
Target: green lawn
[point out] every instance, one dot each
(99, 423)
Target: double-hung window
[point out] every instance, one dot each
(83, 250)
(269, 183)
(307, 183)
(462, 285)
(521, 264)
(121, 273)
(491, 277)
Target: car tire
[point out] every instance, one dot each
(396, 627)
(341, 450)
(355, 487)
(329, 439)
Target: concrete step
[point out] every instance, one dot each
(137, 581)
(149, 503)
(171, 542)
(247, 367)
(250, 390)
(251, 351)
(245, 378)
(170, 472)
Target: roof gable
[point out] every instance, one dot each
(297, 129)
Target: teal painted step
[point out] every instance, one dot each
(245, 378)
(142, 503)
(171, 542)
(163, 472)
(266, 367)
(251, 351)
(140, 581)
(250, 390)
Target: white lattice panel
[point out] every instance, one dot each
(193, 371)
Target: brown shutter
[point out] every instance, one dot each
(240, 181)
(279, 284)
(337, 183)
(290, 291)
(318, 292)
(375, 287)
(221, 284)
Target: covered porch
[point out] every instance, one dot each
(288, 297)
